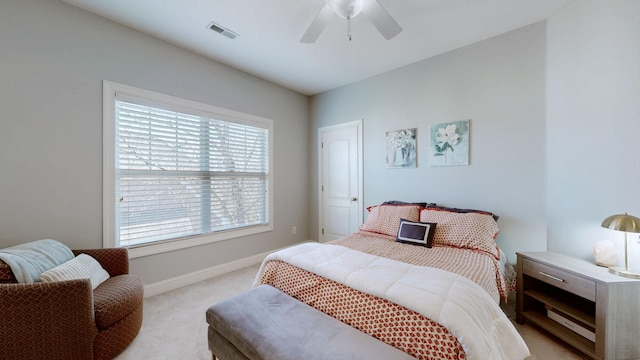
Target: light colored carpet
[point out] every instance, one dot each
(174, 325)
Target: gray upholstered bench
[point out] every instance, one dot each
(266, 324)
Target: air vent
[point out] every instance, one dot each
(222, 30)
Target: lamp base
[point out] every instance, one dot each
(624, 272)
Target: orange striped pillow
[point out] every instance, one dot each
(385, 219)
(464, 230)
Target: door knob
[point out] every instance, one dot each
(354, 199)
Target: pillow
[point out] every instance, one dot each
(385, 219)
(464, 230)
(416, 233)
(437, 207)
(400, 203)
(82, 266)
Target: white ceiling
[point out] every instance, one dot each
(269, 31)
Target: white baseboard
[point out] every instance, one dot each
(201, 275)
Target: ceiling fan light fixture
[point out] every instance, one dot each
(347, 9)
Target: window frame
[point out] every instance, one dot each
(113, 90)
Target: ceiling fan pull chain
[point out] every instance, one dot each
(349, 27)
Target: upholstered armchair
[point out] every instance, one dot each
(67, 319)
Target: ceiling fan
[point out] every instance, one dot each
(349, 9)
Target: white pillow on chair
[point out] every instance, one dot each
(82, 266)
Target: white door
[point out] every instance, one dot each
(340, 162)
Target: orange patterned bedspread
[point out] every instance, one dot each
(478, 266)
(393, 324)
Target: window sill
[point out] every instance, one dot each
(167, 246)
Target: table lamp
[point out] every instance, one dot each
(627, 224)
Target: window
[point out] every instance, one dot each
(180, 173)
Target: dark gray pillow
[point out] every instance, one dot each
(396, 202)
(462, 211)
(416, 232)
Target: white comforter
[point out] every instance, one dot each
(452, 300)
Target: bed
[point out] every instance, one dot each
(427, 280)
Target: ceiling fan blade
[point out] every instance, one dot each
(381, 19)
(317, 25)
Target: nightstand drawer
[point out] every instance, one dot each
(580, 286)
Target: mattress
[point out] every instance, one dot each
(495, 276)
(427, 312)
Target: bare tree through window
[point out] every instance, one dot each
(180, 175)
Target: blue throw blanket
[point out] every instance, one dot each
(29, 260)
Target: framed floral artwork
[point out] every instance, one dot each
(401, 148)
(449, 144)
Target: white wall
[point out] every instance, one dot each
(53, 59)
(593, 122)
(500, 85)
(554, 111)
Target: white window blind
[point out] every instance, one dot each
(179, 175)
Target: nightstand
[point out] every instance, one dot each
(580, 303)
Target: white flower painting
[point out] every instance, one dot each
(401, 148)
(449, 144)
